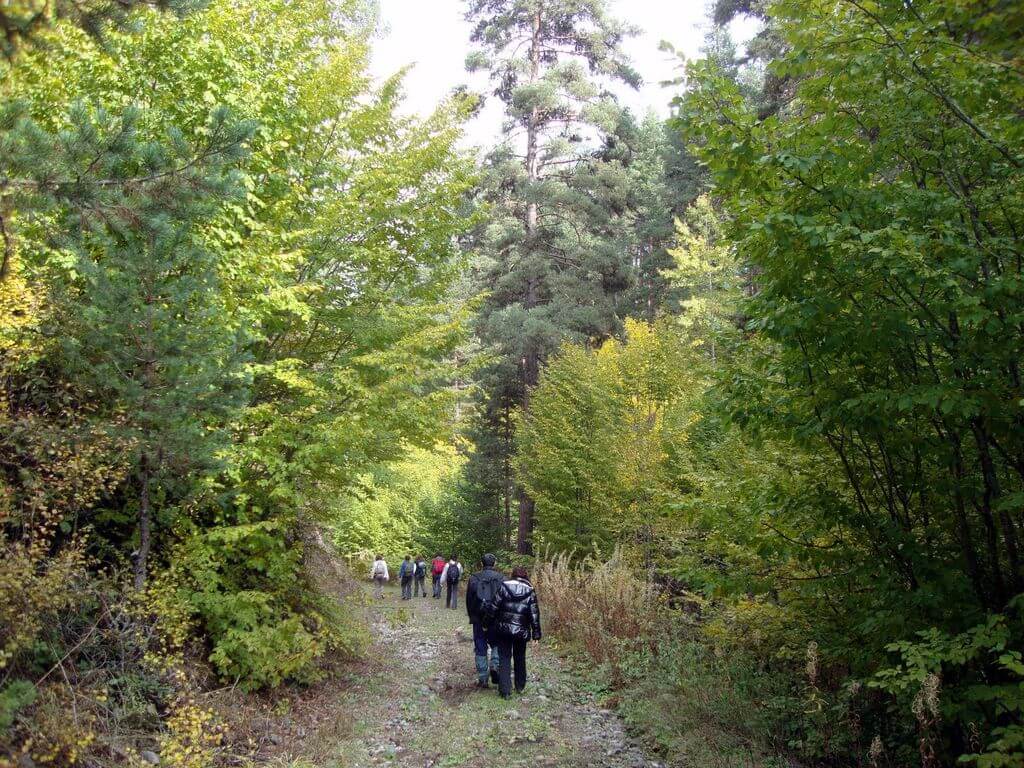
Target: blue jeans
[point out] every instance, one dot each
(481, 641)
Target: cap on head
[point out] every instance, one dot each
(488, 560)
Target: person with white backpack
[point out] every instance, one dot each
(380, 576)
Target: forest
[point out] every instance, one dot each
(741, 387)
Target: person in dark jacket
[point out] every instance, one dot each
(405, 575)
(480, 593)
(516, 621)
(419, 577)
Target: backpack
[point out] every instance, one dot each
(421, 570)
(454, 572)
(438, 566)
(378, 569)
(486, 591)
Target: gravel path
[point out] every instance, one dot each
(416, 704)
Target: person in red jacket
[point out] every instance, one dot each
(437, 568)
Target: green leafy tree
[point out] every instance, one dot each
(145, 331)
(595, 448)
(881, 209)
(136, 288)
(662, 178)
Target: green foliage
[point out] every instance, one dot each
(875, 211)
(401, 508)
(935, 656)
(595, 448)
(232, 579)
(14, 696)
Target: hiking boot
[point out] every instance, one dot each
(482, 684)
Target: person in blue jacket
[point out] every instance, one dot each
(405, 576)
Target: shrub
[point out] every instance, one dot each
(242, 582)
(973, 681)
(249, 588)
(601, 606)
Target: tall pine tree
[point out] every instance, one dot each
(549, 259)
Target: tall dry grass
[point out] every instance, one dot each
(601, 606)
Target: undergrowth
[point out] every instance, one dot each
(680, 675)
(94, 673)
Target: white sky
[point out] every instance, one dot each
(433, 36)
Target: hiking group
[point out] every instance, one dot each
(504, 613)
(412, 576)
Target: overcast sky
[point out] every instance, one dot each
(433, 36)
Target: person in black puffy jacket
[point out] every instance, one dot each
(515, 620)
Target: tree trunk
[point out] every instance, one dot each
(507, 483)
(7, 254)
(531, 358)
(991, 495)
(524, 541)
(142, 553)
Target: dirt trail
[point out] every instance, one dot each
(416, 704)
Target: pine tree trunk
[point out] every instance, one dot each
(142, 553)
(531, 360)
(7, 255)
(507, 483)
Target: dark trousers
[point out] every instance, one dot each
(511, 650)
(419, 586)
(452, 596)
(437, 585)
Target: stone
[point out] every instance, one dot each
(150, 757)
